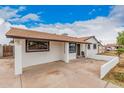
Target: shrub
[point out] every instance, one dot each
(120, 51)
(119, 76)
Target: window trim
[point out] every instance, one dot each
(69, 48)
(40, 50)
(94, 46)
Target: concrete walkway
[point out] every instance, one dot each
(80, 73)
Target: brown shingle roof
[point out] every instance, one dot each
(30, 34)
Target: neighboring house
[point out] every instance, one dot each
(110, 47)
(32, 47)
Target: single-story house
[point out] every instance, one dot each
(33, 47)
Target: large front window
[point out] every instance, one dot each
(72, 47)
(36, 45)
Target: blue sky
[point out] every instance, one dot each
(63, 14)
(102, 21)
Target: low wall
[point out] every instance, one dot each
(108, 66)
(111, 61)
(101, 57)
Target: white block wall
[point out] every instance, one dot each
(101, 57)
(108, 66)
(111, 61)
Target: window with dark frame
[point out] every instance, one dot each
(72, 47)
(88, 46)
(37, 45)
(94, 46)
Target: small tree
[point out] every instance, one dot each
(120, 51)
(120, 42)
(120, 38)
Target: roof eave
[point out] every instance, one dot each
(18, 37)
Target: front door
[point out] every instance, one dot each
(78, 49)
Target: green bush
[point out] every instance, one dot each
(120, 51)
(119, 76)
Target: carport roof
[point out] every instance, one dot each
(31, 34)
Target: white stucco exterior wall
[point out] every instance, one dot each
(72, 56)
(58, 51)
(91, 51)
(55, 53)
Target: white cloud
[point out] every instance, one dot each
(30, 16)
(100, 27)
(12, 15)
(104, 28)
(1, 21)
(4, 27)
(117, 15)
(8, 13)
(19, 26)
(26, 18)
(56, 29)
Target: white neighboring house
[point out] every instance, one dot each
(110, 47)
(33, 48)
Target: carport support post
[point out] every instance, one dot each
(18, 57)
(66, 55)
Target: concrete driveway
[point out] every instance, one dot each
(79, 73)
